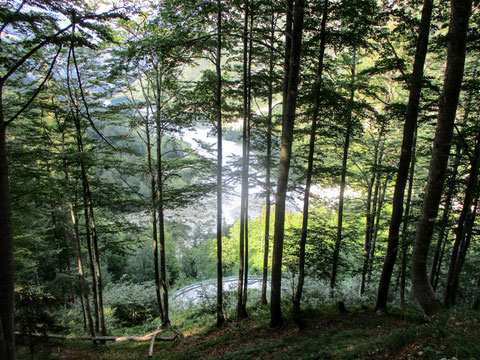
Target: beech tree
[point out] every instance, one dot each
(290, 100)
(311, 153)
(405, 157)
(456, 48)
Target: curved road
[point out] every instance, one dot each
(205, 291)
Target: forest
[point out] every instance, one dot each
(239, 179)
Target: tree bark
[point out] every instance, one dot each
(311, 153)
(91, 261)
(405, 156)
(78, 251)
(241, 309)
(288, 53)
(456, 45)
(406, 242)
(443, 231)
(380, 202)
(249, 127)
(343, 175)
(372, 196)
(285, 155)
(160, 207)
(98, 273)
(268, 164)
(154, 221)
(218, 63)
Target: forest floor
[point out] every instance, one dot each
(327, 334)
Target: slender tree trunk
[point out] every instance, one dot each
(368, 231)
(154, 221)
(372, 195)
(440, 261)
(91, 232)
(241, 309)
(288, 53)
(160, 206)
(218, 63)
(456, 40)
(268, 163)
(405, 155)
(78, 251)
(311, 153)
(285, 155)
(460, 246)
(97, 263)
(84, 312)
(161, 227)
(81, 276)
(7, 342)
(343, 175)
(87, 221)
(378, 198)
(406, 220)
(443, 231)
(381, 201)
(249, 128)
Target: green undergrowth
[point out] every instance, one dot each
(326, 334)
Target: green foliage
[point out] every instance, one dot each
(132, 303)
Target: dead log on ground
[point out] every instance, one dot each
(147, 337)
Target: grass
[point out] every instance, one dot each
(359, 334)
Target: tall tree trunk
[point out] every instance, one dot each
(460, 245)
(311, 153)
(76, 236)
(154, 221)
(7, 342)
(343, 175)
(268, 164)
(285, 155)
(218, 63)
(160, 206)
(91, 261)
(249, 128)
(161, 227)
(84, 312)
(92, 239)
(406, 242)
(372, 196)
(443, 231)
(379, 207)
(456, 40)
(405, 155)
(241, 309)
(288, 53)
(98, 273)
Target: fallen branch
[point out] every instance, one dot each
(150, 348)
(147, 337)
